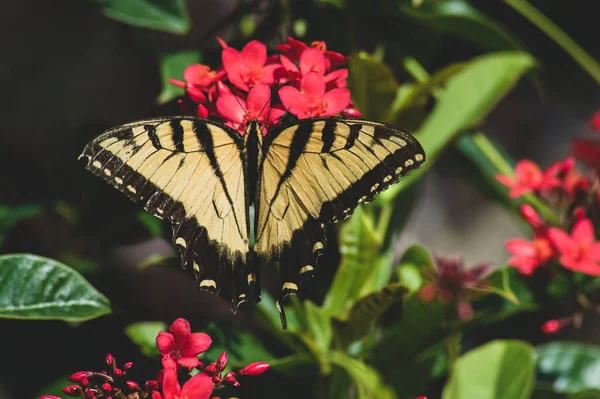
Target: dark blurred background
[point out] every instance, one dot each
(67, 72)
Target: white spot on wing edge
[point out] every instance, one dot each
(409, 162)
(208, 283)
(419, 157)
(96, 164)
(251, 278)
(387, 178)
(306, 269)
(399, 169)
(180, 241)
(107, 172)
(290, 286)
(118, 180)
(132, 189)
(318, 246)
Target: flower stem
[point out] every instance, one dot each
(555, 33)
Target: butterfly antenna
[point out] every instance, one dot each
(265, 106)
(241, 106)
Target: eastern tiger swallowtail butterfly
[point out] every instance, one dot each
(203, 177)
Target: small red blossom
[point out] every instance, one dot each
(453, 282)
(528, 255)
(180, 345)
(529, 178)
(254, 368)
(595, 121)
(552, 326)
(247, 68)
(312, 100)
(293, 49)
(199, 386)
(199, 81)
(587, 151)
(578, 251)
(238, 111)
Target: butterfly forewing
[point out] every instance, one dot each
(189, 171)
(315, 173)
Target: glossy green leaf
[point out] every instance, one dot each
(164, 15)
(363, 314)
(319, 325)
(10, 215)
(571, 366)
(467, 98)
(368, 382)
(240, 344)
(497, 370)
(460, 18)
(415, 259)
(359, 249)
(144, 334)
(34, 287)
(171, 67)
(373, 86)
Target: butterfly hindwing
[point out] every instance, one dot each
(315, 173)
(191, 172)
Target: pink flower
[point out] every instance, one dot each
(238, 111)
(198, 79)
(180, 345)
(452, 282)
(587, 151)
(595, 121)
(199, 386)
(578, 251)
(529, 178)
(312, 100)
(247, 68)
(528, 255)
(294, 49)
(313, 60)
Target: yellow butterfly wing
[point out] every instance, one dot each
(189, 171)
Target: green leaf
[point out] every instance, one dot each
(415, 259)
(468, 97)
(341, 4)
(571, 366)
(319, 325)
(144, 333)
(165, 15)
(459, 18)
(363, 314)
(368, 382)
(497, 370)
(34, 287)
(373, 86)
(55, 388)
(11, 215)
(172, 66)
(547, 393)
(359, 249)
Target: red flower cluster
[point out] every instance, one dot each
(307, 81)
(452, 282)
(573, 196)
(179, 348)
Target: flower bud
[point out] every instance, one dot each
(211, 369)
(119, 372)
(49, 397)
(76, 377)
(256, 368)
(90, 393)
(222, 362)
(351, 112)
(216, 379)
(231, 381)
(106, 387)
(127, 365)
(84, 382)
(110, 360)
(552, 326)
(422, 397)
(531, 216)
(151, 385)
(72, 390)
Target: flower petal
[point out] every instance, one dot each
(271, 73)
(195, 73)
(520, 247)
(156, 395)
(181, 331)
(198, 343)
(313, 87)
(258, 99)
(293, 101)
(561, 240)
(254, 54)
(230, 109)
(199, 386)
(505, 180)
(287, 64)
(196, 94)
(188, 361)
(170, 384)
(234, 66)
(583, 232)
(529, 173)
(594, 251)
(165, 342)
(337, 100)
(312, 60)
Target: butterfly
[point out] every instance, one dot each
(203, 177)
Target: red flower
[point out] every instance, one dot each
(199, 386)
(527, 255)
(451, 281)
(529, 178)
(247, 68)
(312, 100)
(294, 49)
(595, 121)
(256, 106)
(198, 79)
(180, 345)
(587, 151)
(578, 251)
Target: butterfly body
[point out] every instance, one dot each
(203, 177)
